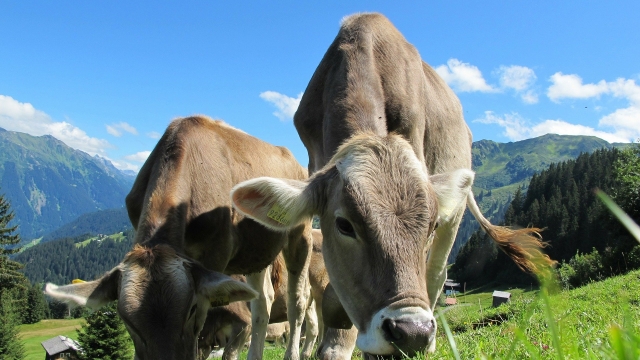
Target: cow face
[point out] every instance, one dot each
(163, 299)
(378, 210)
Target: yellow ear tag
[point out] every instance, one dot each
(77, 281)
(221, 300)
(279, 214)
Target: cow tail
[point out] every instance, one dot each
(277, 269)
(523, 246)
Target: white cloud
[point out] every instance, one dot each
(124, 165)
(463, 77)
(529, 97)
(140, 156)
(115, 129)
(520, 79)
(571, 87)
(516, 77)
(625, 122)
(286, 105)
(517, 128)
(561, 127)
(23, 117)
(154, 135)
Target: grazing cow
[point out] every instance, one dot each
(390, 158)
(180, 202)
(229, 326)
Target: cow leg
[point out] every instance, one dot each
(311, 330)
(297, 255)
(437, 262)
(260, 312)
(337, 344)
(239, 337)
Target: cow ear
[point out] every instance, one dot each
(278, 204)
(92, 294)
(333, 313)
(452, 189)
(220, 289)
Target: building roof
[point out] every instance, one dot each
(450, 301)
(59, 344)
(450, 283)
(502, 294)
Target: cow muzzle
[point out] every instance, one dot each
(398, 332)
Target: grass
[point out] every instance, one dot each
(33, 334)
(596, 321)
(116, 237)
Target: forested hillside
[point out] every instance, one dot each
(561, 200)
(503, 167)
(84, 257)
(50, 184)
(108, 221)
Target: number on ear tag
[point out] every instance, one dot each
(279, 214)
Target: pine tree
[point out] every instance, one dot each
(36, 308)
(627, 177)
(104, 335)
(10, 345)
(10, 277)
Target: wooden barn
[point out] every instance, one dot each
(500, 297)
(61, 347)
(451, 287)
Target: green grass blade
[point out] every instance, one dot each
(633, 228)
(447, 331)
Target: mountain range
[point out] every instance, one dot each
(50, 184)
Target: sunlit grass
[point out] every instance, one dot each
(32, 335)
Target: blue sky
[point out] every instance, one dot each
(107, 77)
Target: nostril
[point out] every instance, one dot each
(391, 330)
(431, 328)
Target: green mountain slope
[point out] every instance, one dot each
(503, 164)
(108, 221)
(502, 167)
(50, 184)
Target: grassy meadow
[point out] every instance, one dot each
(33, 334)
(597, 321)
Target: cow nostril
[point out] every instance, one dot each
(431, 329)
(391, 330)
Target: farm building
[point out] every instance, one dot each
(450, 301)
(451, 287)
(500, 297)
(61, 347)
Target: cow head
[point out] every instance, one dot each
(163, 299)
(378, 211)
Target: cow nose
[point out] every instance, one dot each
(409, 336)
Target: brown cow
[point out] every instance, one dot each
(180, 201)
(390, 155)
(230, 326)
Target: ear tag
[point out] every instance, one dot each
(279, 214)
(221, 300)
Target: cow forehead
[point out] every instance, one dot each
(164, 283)
(366, 153)
(385, 180)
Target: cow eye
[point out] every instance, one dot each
(345, 227)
